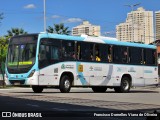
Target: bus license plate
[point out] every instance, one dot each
(17, 83)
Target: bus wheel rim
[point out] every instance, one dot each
(125, 85)
(67, 84)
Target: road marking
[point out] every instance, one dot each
(33, 105)
(60, 109)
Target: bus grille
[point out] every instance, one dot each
(17, 71)
(17, 82)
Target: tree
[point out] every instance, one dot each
(59, 29)
(3, 48)
(15, 31)
(3, 53)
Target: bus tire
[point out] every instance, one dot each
(99, 89)
(65, 84)
(37, 89)
(125, 86)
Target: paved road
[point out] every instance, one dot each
(80, 101)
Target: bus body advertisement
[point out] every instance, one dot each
(61, 61)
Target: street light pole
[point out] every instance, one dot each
(132, 8)
(44, 15)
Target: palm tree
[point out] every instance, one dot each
(15, 31)
(59, 29)
(3, 48)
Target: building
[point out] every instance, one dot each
(157, 43)
(86, 28)
(157, 20)
(138, 28)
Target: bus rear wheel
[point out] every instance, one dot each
(65, 84)
(37, 89)
(99, 89)
(125, 86)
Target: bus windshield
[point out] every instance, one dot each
(22, 53)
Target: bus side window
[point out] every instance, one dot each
(42, 55)
(68, 50)
(109, 53)
(55, 53)
(124, 54)
(49, 52)
(143, 56)
(150, 57)
(101, 52)
(78, 51)
(43, 60)
(85, 51)
(97, 53)
(135, 55)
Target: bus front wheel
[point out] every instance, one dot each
(125, 86)
(37, 89)
(65, 84)
(99, 89)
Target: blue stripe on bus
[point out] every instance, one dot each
(107, 41)
(129, 44)
(58, 36)
(106, 63)
(80, 74)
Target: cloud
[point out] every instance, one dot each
(30, 6)
(55, 16)
(72, 20)
(69, 20)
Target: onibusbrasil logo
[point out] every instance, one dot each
(63, 66)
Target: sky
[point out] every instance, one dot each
(28, 14)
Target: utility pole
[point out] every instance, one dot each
(132, 8)
(44, 15)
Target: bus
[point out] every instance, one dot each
(48, 60)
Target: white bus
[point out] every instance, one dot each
(60, 61)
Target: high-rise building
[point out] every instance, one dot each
(137, 28)
(157, 19)
(86, 28)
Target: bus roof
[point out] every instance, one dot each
(105, 40)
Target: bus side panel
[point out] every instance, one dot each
(135, 72)
(65, 68)
(100, 74)
(119, 71)
(83, 73)
(150, 75)
(137, 75)
(51, 75)
(97, 74)
(48, 76)
(33, 80)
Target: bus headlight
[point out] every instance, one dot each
(31, 74)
